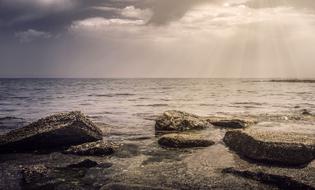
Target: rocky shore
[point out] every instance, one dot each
(69, 151)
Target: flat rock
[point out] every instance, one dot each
(53, 132)
(180, 121)
(231, 123)
(98, 148)
(184, 141)
(272, 147)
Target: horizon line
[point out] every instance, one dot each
(275, 78)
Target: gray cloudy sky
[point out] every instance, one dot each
(157, 38)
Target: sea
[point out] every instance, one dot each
(130, 106)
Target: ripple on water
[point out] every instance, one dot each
(152, 105)
(112, 95)
(249, 103)
(8, 123)
(126, 101)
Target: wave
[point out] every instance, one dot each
(112, 95)
(19, 97)
(10, 118)
(153, 105)
(248, 103)
(206, 104)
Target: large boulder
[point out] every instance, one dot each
(180, 121)
(98, 148)
(272, 147)
(184, 141)
(53, 132)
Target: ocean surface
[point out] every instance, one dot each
(130, 105)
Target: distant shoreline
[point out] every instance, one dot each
(294, 81)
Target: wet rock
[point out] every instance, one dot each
(84, 164)
(33, 172)
(52, 132)
(232, 124)
(121, 186)
(184, 141)
(42, 177)
(272, 147)
(180, 121)
(98, 148)
(282, 182)
(305, 112)
(128, 150)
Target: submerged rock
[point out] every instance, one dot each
(121, 186)
(272, 147)
(52, 132)
(98, 148)
(281, 181)
(42, 177)
(84, 164)
(305, 112)
(180, 121)
(184, 141)
(33, 172)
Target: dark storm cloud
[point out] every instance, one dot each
(52, 15)
(165, 11)
(55, 15)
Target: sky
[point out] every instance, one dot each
(157, 38)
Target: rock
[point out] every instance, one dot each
(272, 147)
(306, 112)
(98, 148)
(184, 141)
(52, 132)
(84, 164)
(180, 121)
(128, 150)
(282, 182)
(34, 172)
(233, 123)
(42, 177)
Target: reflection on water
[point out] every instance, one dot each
(131, 104)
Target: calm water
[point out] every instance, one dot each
(131, 104)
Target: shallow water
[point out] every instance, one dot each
(131, 104)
